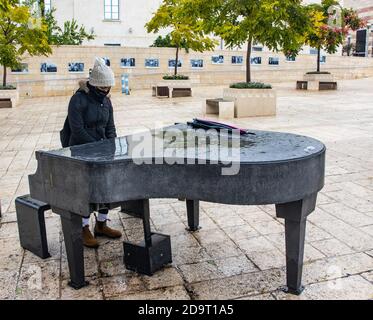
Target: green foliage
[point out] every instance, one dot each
(20, 33)
(8, 87)
(250, 85)
(278, 24)
(186, 28)
(70, 34)
(331, 25)
(175, 77)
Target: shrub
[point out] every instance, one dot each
(250, 85)
(175, 77)
(320, 72)
(8, 87)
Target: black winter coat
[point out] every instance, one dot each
(90, 119)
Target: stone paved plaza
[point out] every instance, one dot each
(239, 252)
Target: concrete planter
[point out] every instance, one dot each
(252, 102)
(12, 94)
(314, 79)
(175, 83)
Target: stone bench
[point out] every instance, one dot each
(172, 88)
(328, 85)
(224, 108)
(5, 103)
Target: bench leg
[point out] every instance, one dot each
(72, 232)
(151, 254)
(193, 215)
(31, 226)
(295, 215)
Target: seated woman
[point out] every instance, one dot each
(91, 119)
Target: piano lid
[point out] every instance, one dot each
(181, 142)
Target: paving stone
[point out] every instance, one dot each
(255, 244)
(8, 283)
(200, 271)
(368, 276)
(91, 292)
(254, 283)
(266, 296)
(240, 232)
(170, 293)
(350, 288)
(220, 250)
(189, 254)
(332, 247)
(121, 284)
(336, 267)
(39, 281)
(167, 277)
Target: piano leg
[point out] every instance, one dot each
(72, 232)
(134, 208)
(295, 215)
(193, 215)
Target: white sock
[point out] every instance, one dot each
(102, 217)
(85, 222)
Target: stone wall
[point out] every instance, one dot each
(35, 84)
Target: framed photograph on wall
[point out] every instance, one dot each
(76, 67)
(172, 62)
(274, 61)
(256, 60)
(128, 62)
(22, 68)
(237, 60)
(152, 63)
(196, 63)
(217, 59)
(47, 67)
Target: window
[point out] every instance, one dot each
(47, 6)
(111, 9)
(313, 51)
(257, 49)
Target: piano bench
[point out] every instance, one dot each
(31, 225)
(145, 259)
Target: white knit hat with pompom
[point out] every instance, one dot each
(101, 75)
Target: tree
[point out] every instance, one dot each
(280, 25)
(20, 33)
(335, 24)
(186, 29)
(70, 34)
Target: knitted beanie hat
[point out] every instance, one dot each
(101, 75)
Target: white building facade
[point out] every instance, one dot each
(114, 22)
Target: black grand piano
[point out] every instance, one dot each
(255, 169)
